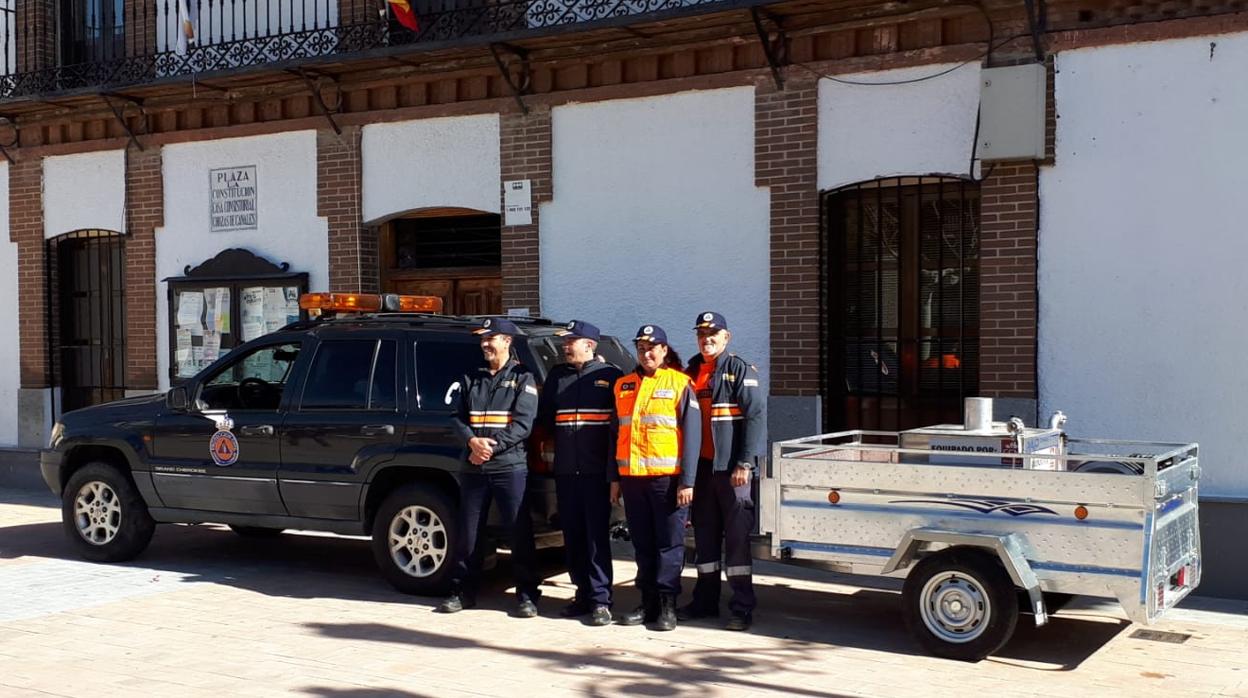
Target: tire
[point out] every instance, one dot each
(960, 604)
(420, 519)
(256, 531)
(103, 515)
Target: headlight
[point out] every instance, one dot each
(58, 430)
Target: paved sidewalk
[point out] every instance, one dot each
(206, 613)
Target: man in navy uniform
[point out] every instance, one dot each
(497, 406)
(733, 429)
(578, 409)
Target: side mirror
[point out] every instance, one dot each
(176, 399)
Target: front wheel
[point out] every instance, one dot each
(104, 515)
(960, 604)
(413, 537)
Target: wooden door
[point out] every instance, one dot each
(470, 296)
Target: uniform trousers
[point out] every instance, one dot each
(477, 490)
(723, 521)
(657, 527)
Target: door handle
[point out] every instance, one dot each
(257, 430)
(377, 430)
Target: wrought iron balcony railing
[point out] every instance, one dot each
(58, 46)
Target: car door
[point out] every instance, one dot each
(348, 419)
(440, 360)
(223, 453)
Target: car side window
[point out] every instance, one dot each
(254, 381)
(439, 364)
(353, 374)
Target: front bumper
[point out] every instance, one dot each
(50, 462)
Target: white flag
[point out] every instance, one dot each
(188, 25)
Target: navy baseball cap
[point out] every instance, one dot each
(710, 321)
(651, 333)
(580, 328)
(496, 325)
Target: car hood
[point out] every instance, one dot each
(144, 405)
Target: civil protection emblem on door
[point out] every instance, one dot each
(223, 447)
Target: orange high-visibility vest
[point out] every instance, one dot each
(649, 437)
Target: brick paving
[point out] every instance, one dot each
(206, 613)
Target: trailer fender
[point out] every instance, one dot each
(1008, 549)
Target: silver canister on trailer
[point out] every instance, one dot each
(949, 444)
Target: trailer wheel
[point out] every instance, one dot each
(960, 604)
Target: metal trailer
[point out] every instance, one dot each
(977, 534)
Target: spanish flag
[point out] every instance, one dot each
(402, 10)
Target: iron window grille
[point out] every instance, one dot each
(901, 301)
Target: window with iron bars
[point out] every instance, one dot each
(901, 302)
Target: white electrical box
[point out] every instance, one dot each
(1012, 104)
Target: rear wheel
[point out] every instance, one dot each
(103, 515)
(413, 536)
(960, 604)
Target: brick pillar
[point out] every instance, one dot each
(26, 229)
(1008, 218)
(33, 32)
(352, 248)
(525, 154)
(145, 202)
(785, 137)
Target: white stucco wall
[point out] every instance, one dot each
(1142, 249)
(288, 228)
(917, 128)
(10, 378)
(82, 191)
(655, 217)
(432, 162)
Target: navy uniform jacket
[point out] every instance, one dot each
(500, 407)
(738, 422)
(578, 409)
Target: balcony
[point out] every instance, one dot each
(67, 47)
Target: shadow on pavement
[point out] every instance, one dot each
(362, 693)
(687, 672)
(29, 497)
(320, 566)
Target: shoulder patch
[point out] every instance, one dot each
(628, 386)
(750, 382)
(530, 390)
(602, 384)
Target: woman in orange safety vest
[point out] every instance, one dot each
(656, 454)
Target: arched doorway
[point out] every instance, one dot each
(87, 317)
(901, 302)
(451, 253)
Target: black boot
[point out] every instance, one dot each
(647, 612)
(667, 613)
(695, 610)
